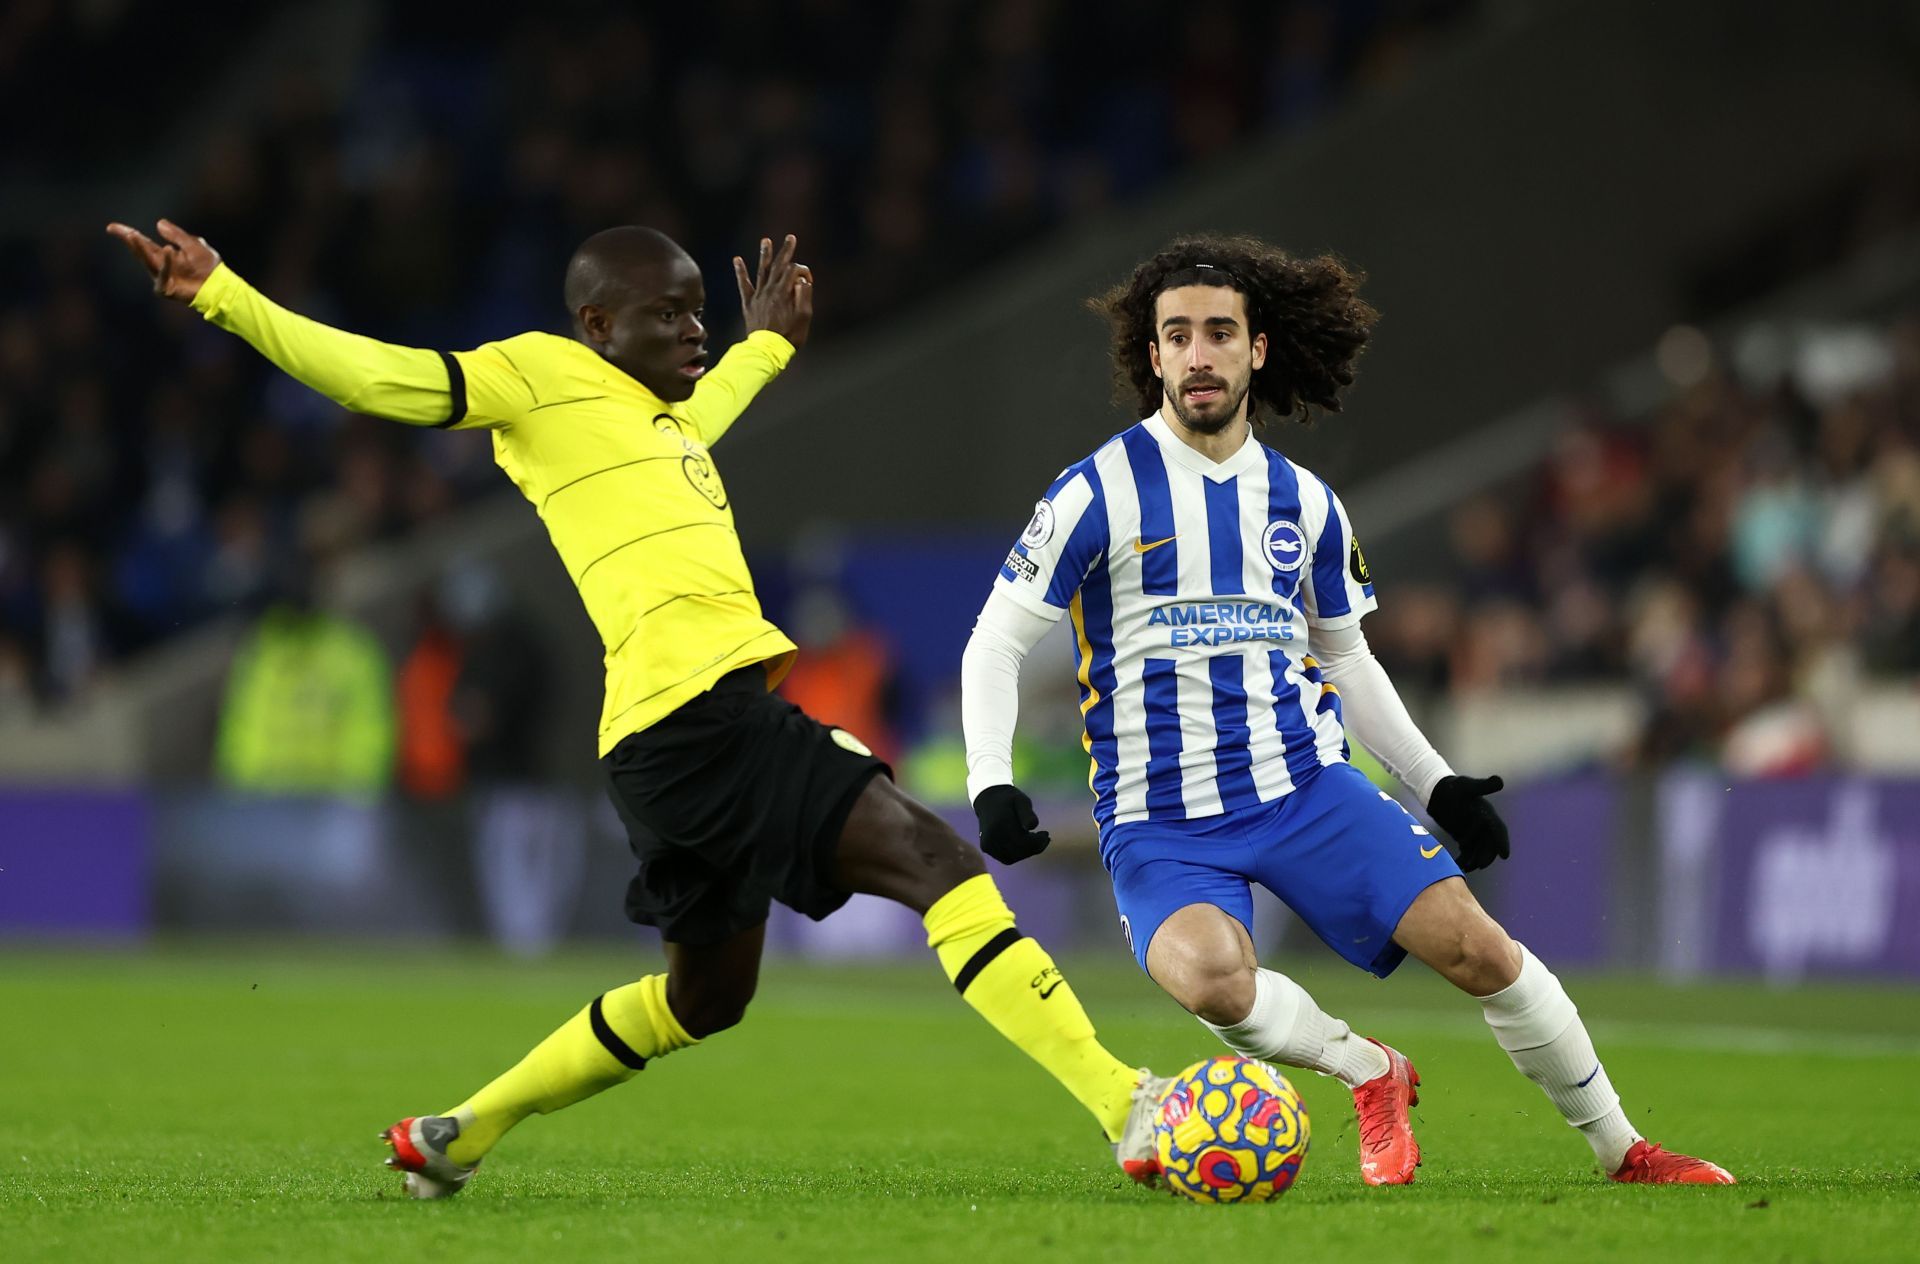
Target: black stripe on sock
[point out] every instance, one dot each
(620, 1049)
(984, 958)
(456, 387)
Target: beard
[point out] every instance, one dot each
(1209, 422)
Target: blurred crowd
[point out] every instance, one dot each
(314, 704)
(153, 473)
(1745, 557)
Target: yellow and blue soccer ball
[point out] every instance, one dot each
(1230, 1130)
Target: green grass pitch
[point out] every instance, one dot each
(203, 1103)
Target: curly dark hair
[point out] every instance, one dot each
(1314, 319)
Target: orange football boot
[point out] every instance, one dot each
(1388, 1151)
(1647, 1164)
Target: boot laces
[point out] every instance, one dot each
(1377, 1114)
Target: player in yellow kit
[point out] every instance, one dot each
(732, 797)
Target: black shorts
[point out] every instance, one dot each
(733, 801)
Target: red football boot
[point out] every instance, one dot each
(1647, 1164)
(1388, 1151)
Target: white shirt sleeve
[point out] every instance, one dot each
(1373, 710)
(1003, 636)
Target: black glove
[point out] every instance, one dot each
(1009, 830)
(1459, 806)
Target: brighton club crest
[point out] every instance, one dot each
(1286, 545)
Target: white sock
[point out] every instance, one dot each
(1536, 1023)
(1285, 1025)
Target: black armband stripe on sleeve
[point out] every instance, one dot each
(456, 387)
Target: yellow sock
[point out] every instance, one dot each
(1015, 986)
(603, 1045)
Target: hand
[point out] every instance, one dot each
(1459, 806)
(1009, 830)
(179, 267)
(780, 295)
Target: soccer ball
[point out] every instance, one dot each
(1230, 1130)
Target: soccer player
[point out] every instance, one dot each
(732, 797)
(1216, 591)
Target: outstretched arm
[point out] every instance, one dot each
(358, 373)
(777, 303)
(1376, 715)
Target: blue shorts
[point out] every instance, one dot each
(1344, 856)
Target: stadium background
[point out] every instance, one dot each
(1634, 458)
(299, 820)
(1635, 454)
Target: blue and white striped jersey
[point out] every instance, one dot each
(1192, 586)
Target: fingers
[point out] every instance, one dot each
(178, 235)
(776, 268)
(760, 276)
(742, 280)
(803, 292)
(139, 245)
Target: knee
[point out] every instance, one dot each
(936, 858)
(949, 858)
(906, 846)
(1221, 997)
(702, 1012)
(1483, 960)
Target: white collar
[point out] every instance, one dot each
(1250, 454)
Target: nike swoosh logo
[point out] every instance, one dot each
(1141, 546)
(1590, 1075)
(1051, 990)
(1428, 853)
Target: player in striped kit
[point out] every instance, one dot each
(1216, 591)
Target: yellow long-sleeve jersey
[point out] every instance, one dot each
(621, 478)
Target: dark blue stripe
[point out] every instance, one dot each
(1330, 701)
(1330, 566)
(1084, 546)
(1160, 565)
(1232, 751)
(1096, 614)
(1283, 504)
(1302, 743)
(1164, 800)
(1223, 536)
